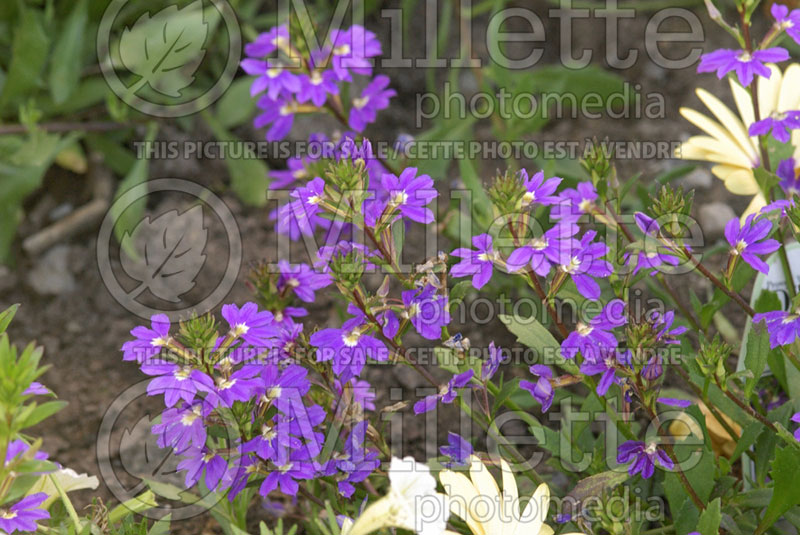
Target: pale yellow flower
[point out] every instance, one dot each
(68, 479)
(721, 442)
(727, 143)
(477, 500)
(412, 503)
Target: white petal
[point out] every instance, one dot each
(743, 102)
(789, 98)
(490, 495)
(535, 512)
(732, 125)
(462, 495)
(768, 91)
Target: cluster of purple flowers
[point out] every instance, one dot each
(252, 366)
(290, 86)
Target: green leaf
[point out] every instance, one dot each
(6, 316)
(710, 519)
(784, 471)
(41, 412)
(248, 174)
(756, 358)
(165, 49)
(536, 336)
(28, 56)
(236, 106)
(65, 65)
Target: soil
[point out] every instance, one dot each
(82, 330)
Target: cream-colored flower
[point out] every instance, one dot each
(727, 143)
(68, 479)
(412, 503)
(477, 500)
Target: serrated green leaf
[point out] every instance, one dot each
(710, 519)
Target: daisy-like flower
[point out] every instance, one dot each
(149, 342)
(465, 496)
(779, 123)
(411, 503)
(726, 142)
(538, 190)
(458, 450)
(749, 239)
(745, 64)
(542, 390)
(411, 194)
(447, 395)
(374, 97)
(787, 20)
(783, 326)
(644, 458)
(478, 263)
(22, 516)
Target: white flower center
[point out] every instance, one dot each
(7, 515)
(315, 78)
(651, 448)
(528, 198)
(572, 267)
(539, 243)
(160, 341)
(314, 199)
(342, 50)
(360, 102)
(584, 329)
(399, 198)
(268, 432)
(274, 72)
(225, 384)
(286, 467)
(351, 339)
(240, 328)
(585, 205)
(181, 374)
(293, 282)
(189, 418)
(745, 56)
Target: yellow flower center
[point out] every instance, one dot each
(360, 102)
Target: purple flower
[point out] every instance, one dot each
(279, 113)
(606, 362)
(749, 240)
(787, 171)
(304, 209)
(374, 97)
(447, 394)
(358, 463)
(538, 189)
(176, 382)
(349, 347)
(586, 262)
(268, 42)
(542, 252)
(149, 342)
(183, 427)
(238, 387)
(781, 125)
(783, 327)
(673, 402)
(350, 50)
(410, 194)
(427, 310)
(316, 87)
(591, 338)
(746, 64)
(479, 263)
(22, 516)
(287, 475)
(36, 389)
(789, 21)
(572, 203)
(666, 333)
(254, 327)
(363, 393)
(302, 280)
(18, 447)
(644, 457)
(203, 459)
(491, 364)
(458, 450)
(272, 77)
(796, 419)
(542, 390)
